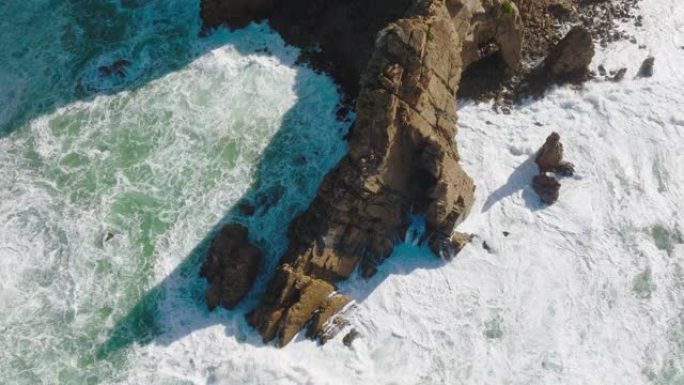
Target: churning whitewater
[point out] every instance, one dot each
(111, 183)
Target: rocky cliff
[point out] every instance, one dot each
(401, 61)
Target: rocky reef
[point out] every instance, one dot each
(401, 61)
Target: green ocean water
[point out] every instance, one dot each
(109, 182)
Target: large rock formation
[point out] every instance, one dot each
(231, 266)
(402, 156)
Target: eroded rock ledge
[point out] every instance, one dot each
(402, 156)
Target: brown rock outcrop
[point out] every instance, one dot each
(402, 158)
(402, 155)
(231, 266)
(289, 303)
(322, 326)
(570, 58)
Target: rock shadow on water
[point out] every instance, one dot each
(175, 307)
(520, 179)
(179, 298)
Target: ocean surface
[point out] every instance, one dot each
(126, 139)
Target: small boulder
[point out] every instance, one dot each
(107, 237)
(231, 267)
(619, 75)
(646, 70)
(550, 157)
(602, 70)
(570, 58)
(547, 187)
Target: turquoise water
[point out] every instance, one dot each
(109, 182)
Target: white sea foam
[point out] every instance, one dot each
(102, 198)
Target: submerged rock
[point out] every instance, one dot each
(231, 267)
(349, 339)
(246, 209)
(487, 247)
(570, 58)
(118, 68)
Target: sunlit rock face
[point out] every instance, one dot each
(403, 71)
